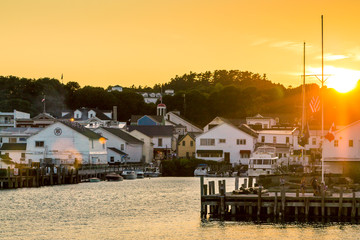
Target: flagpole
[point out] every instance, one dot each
(322, 99)
(44, 103)
(303, 109)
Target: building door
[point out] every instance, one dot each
(227, 157)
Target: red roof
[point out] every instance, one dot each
(161, 105)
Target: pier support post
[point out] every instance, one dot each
(236, 183)
(283, 200)
(296, 208)
(259, 202)
(322, 200)
(340, 202)
(10, 185)
(250, 182)
(353, 206)
(276, 204)
(201, 196)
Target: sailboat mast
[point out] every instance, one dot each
(303, 108)
(322, 98)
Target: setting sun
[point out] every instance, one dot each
(341, 79)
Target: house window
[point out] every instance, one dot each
(262, 138)
(265, 126)
(39, 143)
(183, 143)
(22, 139)
(111, 159)
(160, 142)
(313, 141)
(222, 140)
(191, 143)
(22, 155)
(351, 143)
(207, 142)
(122, 147)
(287, 140)
(12, 140)
(336, 143)
(274, 139)
(240, 141)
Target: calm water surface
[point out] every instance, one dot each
(157, 208)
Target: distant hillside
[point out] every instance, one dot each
(198, 96)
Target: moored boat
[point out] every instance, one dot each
(201, 170)
(152, 172)
(263, 162)
(94, 179)
(139, 174)
(129, 174)
(114, 177)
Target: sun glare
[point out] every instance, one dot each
(341, 79)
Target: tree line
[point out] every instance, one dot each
(198, 96)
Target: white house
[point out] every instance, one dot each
(342, 154)
(259, 120)
(161, 136)
(15, 151)
(63, 142)
(9, 119)
(174, 118)
(281, 139)
(226, 142)
(92, 118)
(220, 120)
(120, 142)
(148, 146)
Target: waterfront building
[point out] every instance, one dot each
(92, 118)
(174, 118)
(122, 146)
(148, 146)
(39, 121)
(227, 142)
(161, 136)
(186, 145)
(63, 143)
(9, 119)
(261, 121)
(281, 139)
(146, 120)
(341, 150)
(220, 120)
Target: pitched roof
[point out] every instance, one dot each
(185, 119)
(190, 134)
(245, 128)
(13, 146)
(123, 135)
(117, 150)
(135, 118)
(81, 129)
(151, 131)
(84, 114)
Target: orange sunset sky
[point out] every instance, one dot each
(144, 42)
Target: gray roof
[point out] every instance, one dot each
(117, 150)
(123, 135)
(81, 129)
(84, 114)
(152, 131)
(135, 118)
(13, 146)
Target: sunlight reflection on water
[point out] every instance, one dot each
(157, 208)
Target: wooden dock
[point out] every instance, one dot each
(278, 204)
(37, 177)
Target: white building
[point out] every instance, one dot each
(259, 120)
(63, 142)
(148, 146)
(15, 151)
(92, 118)
(226, 142)
(281, 139)
(342, 155)
(220, 120)
(174, 118)
(121, 142)
(8, 119)
(162, 137)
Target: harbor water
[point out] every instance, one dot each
(156, 208)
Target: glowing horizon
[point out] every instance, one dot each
(102, 43)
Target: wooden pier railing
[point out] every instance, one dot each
(229, 205)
